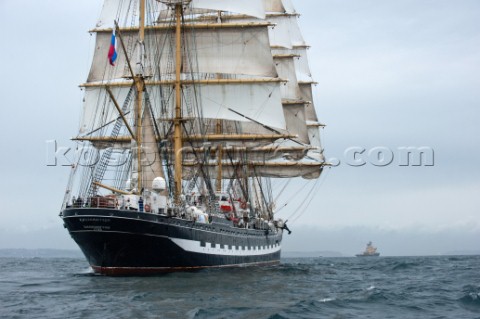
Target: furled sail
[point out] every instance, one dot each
(274, 169)
(151, 161)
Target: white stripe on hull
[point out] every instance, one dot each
(196, 247)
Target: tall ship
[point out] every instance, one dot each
(370, 251)
(195, 114)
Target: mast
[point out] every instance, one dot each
(140, 85)
(178, 104)
(220, 157)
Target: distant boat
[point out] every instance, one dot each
(370, 251)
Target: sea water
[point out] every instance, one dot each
(385, 287)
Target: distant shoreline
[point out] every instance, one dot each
(40, 253)
(73, 253)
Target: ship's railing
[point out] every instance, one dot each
(112, 202)
(238, 219)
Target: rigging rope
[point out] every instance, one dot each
(303, 208)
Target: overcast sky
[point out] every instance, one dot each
(390, 74)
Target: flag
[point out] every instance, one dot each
(112, 53)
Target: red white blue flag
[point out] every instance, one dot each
(112, 53)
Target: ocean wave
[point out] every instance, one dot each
(471, 297)
(397, 288)
(325, 300)
(294, 268)
(405, 265)
(239, 312)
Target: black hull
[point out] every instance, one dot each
(131, 243)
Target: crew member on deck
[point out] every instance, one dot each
(140, 204)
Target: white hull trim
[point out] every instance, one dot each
(214, 249)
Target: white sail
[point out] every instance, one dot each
(233, 101)
(303, 80)
(253, 8)
(258, 101)
(235, 51)
(314, 134)
(306, 92)
(274, 6)
(101, 70)
(279, 6)
(99, 109)
(301, 65)
(307, 95)
(288, 5)
(286, 70)
(286, 33)
(250, 8)
(290, 55)
(112, 10)
(125, 12)
(296, 124)
(230, 51)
